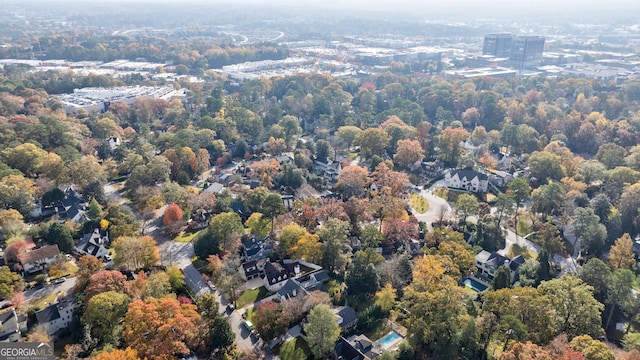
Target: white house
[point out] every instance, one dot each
(56, 316)
(488, 263)
(94, 244)
(467, 180)
(329, 171)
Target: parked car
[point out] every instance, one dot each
(106, 258)
(247, 324)
(60, 280)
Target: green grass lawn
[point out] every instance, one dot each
(419, 203)
(516, 250)
(379, 330)
(442, 192)
(43, 302)
(251, 296)
(250, 312)
(294, 349)
(186, 236)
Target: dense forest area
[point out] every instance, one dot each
(573, 150)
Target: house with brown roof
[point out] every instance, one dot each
(38, 259)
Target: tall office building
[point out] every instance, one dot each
(498, 45)
(526, 51)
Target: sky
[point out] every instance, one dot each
(559, 9)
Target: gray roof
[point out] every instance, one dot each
(321, 275)
(291, 289)
(348, 315)
(516, 262)
(491, 259)
(48, 314)
(469, 174)
(215, 188)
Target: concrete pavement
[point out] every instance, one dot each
(438, 208)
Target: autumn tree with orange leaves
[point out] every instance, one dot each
(126, 354)
(352, 181)
(172, 216)
(408, 152)
(103, 281)
(160, 329)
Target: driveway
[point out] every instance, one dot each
(244, 339)
(438, 208)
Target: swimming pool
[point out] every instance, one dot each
(475, 285)
(389, 339)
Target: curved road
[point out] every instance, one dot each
(439, 207)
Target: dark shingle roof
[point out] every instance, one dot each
(469, 174)
(48, 314)
(348, 315)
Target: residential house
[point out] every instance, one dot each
(254, 183)
(238, 207)
(329, 171)
(500, 178)
(225, 179)
(94, 244)
(254, 269)
(514, 265)
(288, 201)
(347, 317)
(113, 142)
(433, 168)
(277, 273)
(636, 246)
(364, 346)
(38, 259)
(346, 351)
(284, 159)
(329, 195)
(199, 220)
(9, 326)
(74, 205)
(55, 317)
(291, 289)
(488, 263)
(276, 276)
(254, 249)
(214, 188)
(314, 281)
(467, 180)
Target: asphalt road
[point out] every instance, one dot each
(37, 293)
(172, 252)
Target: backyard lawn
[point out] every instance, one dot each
(294, 349)
(250, 296)
(419, 203)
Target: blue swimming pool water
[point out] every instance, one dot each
(474, 285)
(389, 339)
